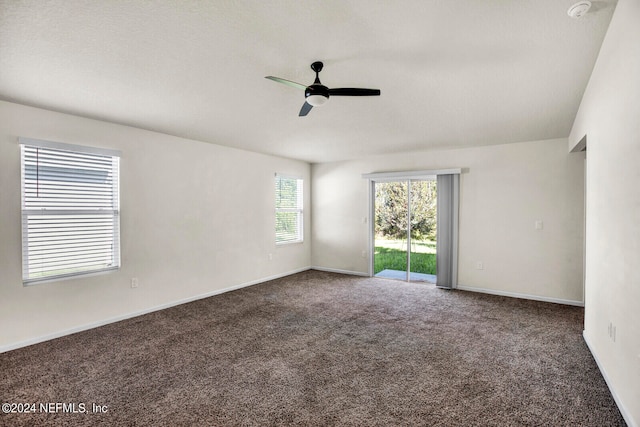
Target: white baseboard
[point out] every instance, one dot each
(336, 270)
(623, 410)
(92, 325)
(522, 296)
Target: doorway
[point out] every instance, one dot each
(405, 229)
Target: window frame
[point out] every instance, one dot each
(97, 214)
(299, 209)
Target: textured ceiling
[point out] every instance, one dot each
(453, 73)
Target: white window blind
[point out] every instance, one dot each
(288, 209)
(70, 210)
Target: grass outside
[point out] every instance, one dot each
(392, 254)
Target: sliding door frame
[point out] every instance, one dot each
(376, 177)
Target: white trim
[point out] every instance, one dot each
(623, 410)
(521, 296)
(339, 271)
(99, 323)
(421, 175)
(68, 147)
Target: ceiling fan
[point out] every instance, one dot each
(317, 94)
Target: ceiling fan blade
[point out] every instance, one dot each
(352, 91)
(306, 107)
(287, 82)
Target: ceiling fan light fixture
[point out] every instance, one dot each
(318, 94)
(316, 100)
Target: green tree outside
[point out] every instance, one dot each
(391, 210)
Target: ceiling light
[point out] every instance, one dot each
(579, 9)
(316, 100)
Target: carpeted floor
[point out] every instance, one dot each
(321, 349)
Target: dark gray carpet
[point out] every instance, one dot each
(322, 349)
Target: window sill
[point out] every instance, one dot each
(32, 282)
(293, 242)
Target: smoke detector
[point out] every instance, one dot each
(579, 9)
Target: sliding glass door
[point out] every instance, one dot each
(405, 230)
(414, 217)
(390, 236)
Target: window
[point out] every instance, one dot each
(70, 210)
(288, 209)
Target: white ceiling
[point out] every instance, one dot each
(453, 73)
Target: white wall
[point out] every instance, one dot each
(504, 189)
(609, 116)
(196, 218)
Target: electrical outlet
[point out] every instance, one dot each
(270, 257)
(364, 254)
(479, 265)
(538, 225)
(134, 282)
